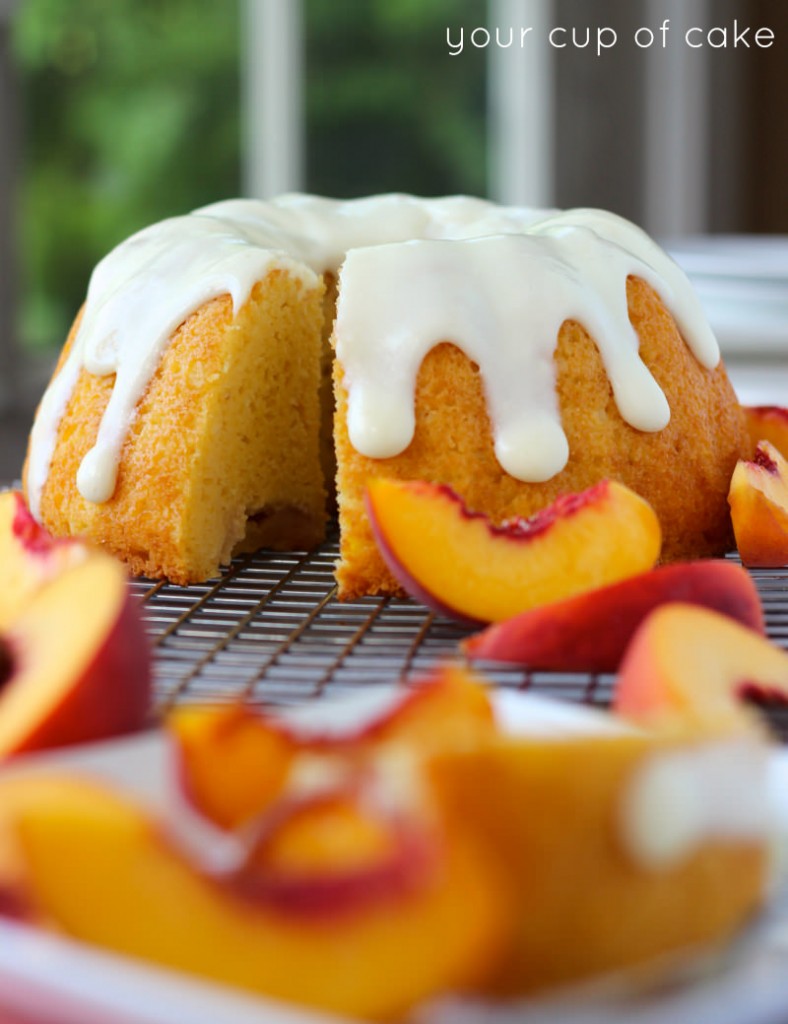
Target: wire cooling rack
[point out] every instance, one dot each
(271, 630)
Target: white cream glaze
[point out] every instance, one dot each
(502, 300)
(679, 799)
(138, 295)
(501, 293)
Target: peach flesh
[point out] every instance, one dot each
(550, 811)
(758, 499)
(232, 762)
(695, 666)
(450, 700)
(105, 873)
(461, 565)
(451, 706)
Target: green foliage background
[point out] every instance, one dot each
(131, 113)
(388, 108)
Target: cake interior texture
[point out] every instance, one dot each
(242, 436)
(223, 453)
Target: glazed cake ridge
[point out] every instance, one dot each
(151, 283)
(524, 287)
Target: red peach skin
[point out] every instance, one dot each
(460, 564)
(590, 632)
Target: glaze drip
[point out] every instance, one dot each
(524, 286)
(496, 281)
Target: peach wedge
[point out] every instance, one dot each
(460, 564)
(758, 498)
(587, 893)
(75, 661)
(450, 708)
(768, 423)
(590, 632)
(233, 762)
(107, 874)
(694, 666)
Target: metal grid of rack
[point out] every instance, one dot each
(272, 631)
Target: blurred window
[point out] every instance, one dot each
(134, 110)
(118, 131)
(387, 107)
(131, 112)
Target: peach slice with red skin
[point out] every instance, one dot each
(105, 873)
(590, 632)
(758, 498)
(29, 556)
(234, 761)
(460, 564)
(332, 853)
(451, 707)
(696, 667)
(768, 423)
(76, 661)
(552, 810)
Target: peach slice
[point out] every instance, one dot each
(29, 555)
(234, 761)
(15, 894)
(460, 564)
(573, 824)
(759, 507)
(76, 662)
(451, 707)
(695, 666)
(332, 853)
(105, 873)
(590, 632)
(768, 423)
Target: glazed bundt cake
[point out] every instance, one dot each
(513, 354)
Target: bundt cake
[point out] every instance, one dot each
(512, 353)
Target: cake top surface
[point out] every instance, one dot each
(496, 281)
